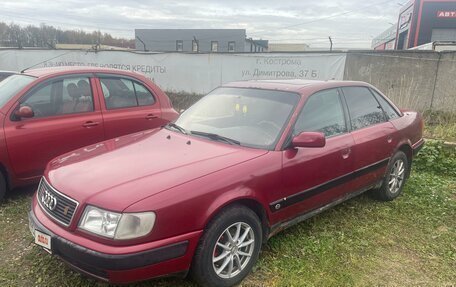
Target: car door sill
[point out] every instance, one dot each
(276, 228)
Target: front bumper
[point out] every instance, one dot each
(172, 259)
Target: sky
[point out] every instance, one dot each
(350, 23)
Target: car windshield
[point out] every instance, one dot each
(248, 117)
(11, 85)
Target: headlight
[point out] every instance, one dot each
(116, 225)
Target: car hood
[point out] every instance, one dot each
(117, 173)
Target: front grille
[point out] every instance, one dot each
(57, 205)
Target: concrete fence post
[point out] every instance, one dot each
(435, 81)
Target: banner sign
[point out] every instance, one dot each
(193, 73)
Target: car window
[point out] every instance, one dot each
(124, 93)
(363, 107)
(390, 112)
(253, 117)
(66, 96)
(143, 95)
(12, 85)
(322, 112)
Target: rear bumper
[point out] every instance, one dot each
(417, 146)
(165, 260)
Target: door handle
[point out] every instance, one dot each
(389, 139)
(151, 117)
(346, 153)
(90, 124)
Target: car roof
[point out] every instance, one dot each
(43, 72)
(293, 85)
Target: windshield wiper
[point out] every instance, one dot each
(216, 137)
(176, 127)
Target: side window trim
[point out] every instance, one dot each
(136, 94)
(134, 81)
(154, 98)
(344, 105)
(341, 105)
(348, 108)
(116, 77)
(377, 94)
(52, 81)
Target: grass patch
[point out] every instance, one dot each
(407, 242)
(444, 132)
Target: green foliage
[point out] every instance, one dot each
(439, 117)
(436, 157)
(13, 35)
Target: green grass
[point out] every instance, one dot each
(443, 132)
(407, 242)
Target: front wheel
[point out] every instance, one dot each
(396, 175)
(228, 249)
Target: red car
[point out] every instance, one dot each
(202, 194)
(47, 112)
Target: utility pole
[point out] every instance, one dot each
(331, 44)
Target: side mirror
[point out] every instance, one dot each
(309, 139)
(24, 112)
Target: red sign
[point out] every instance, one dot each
(446, 14)
(43, 239)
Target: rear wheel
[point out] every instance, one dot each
(396, 175)
(228, 249)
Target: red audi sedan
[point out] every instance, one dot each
(202, 194)
(47, 112)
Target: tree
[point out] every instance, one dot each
(47, 36)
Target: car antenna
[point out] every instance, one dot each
(45, 61)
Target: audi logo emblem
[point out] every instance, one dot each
(48, 200)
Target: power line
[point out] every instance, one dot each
(332, 16)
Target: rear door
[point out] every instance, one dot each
(314, 177)
(128, 106)
(66, 117)
(373, 135)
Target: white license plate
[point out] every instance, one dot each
(43, 240)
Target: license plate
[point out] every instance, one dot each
(43, 240)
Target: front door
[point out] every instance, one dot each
(313, 177)
(66, 117)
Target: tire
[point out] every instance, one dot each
(396, 175)
(2, 187)
(229, 220)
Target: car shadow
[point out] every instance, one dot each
(21, 192)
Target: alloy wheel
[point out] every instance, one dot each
(396, 177)
(233, 250)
